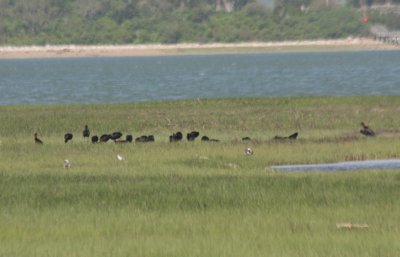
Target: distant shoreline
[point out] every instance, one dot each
(59, 51)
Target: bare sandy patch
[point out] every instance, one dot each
(350, 44)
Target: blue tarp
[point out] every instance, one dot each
(342, 166)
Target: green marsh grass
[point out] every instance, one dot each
(198, 198)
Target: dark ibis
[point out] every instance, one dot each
(192, 135)
(68, 137)
(207, 139)
(141, 139)
(104, 138)
(95, 139)
(144, 139)
(293, 136)
(366, 131)
(37, 140)
(128, 139)
(116, 135)
(176, 137)
(290, 137)
(86, 132)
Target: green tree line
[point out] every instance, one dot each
(43, 22)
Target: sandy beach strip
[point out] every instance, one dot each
(350, 44)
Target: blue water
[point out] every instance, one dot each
(342, 166)
(133, 79)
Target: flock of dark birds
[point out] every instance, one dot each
(175, 137)
(117, 137)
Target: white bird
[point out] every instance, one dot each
(119, 157)
(248, 151)
(67, 164)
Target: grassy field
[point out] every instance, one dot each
(199, 198)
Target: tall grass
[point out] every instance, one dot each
(199, 198)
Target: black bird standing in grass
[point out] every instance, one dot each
(291, 137)
(116, 135)
(176, 137)
(95, 139)
(104, 138)
(86, 132)
(145, 139)
(128, 139)
(206, 138)
(37, 140)
(68, 137)
(192, 135)
(366, 131)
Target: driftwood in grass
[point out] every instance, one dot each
(351, 226)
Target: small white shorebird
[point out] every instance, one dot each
(67, 164)
(248, 151)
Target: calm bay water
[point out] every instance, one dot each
(133, 79)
